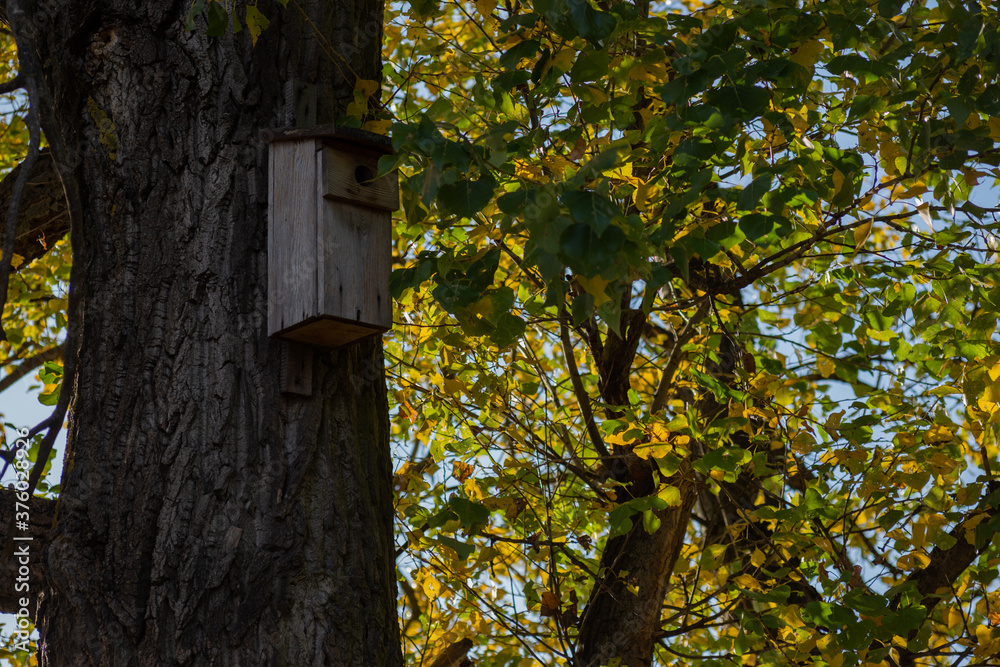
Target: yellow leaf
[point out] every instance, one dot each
(377, 126)
(564, 60)
(938, 433)
(983, 634)
(915, 190)
(825, 366)
(431, 587)
(652, 73)
(867, 138)
(655, 450)
(994, 125)
(799, 118)
(919, 537)
(644, 193)
(366, 87)
(970, 527)
(882, 336)
(671, 495)
(595, 287)
(483, 307)
(757, 558)
(256, 23)
(550, 603)
(453, 386)
(861, 232)
(807, 54)
(746, 581)
(486, 7)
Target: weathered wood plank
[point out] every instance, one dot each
(296, 368)
(357, 259)
(292, 240)
(350, 177)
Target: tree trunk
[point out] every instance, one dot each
(205, 517)
(618, 623)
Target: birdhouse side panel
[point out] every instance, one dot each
(357, 260)
(292, 234)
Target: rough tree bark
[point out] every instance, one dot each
(205, 517)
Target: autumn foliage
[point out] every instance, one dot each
(695, 329)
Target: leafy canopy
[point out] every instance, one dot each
(809, 183)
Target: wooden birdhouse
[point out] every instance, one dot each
(329, 247)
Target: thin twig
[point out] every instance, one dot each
(660, 395)
(581, 393)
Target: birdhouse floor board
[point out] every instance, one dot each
(329, 332)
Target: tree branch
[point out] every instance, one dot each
(946, 565)
(31, 68)
(17, 192)
(581, 393)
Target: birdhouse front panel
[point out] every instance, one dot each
(329, 240)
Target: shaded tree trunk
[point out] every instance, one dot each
(205, 517)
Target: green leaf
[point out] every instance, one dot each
(467, 197)
(509, 329)
(902, 621)
(512, 56)
(594, 26)
(650, 522)
(756, 225)
(218, 19)
(587, 252)
(197, 7)
(753, 193)
(740, 101)
(890, 8)
(591, 208)
(473, 516)
(590, 66)
(49, 399)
